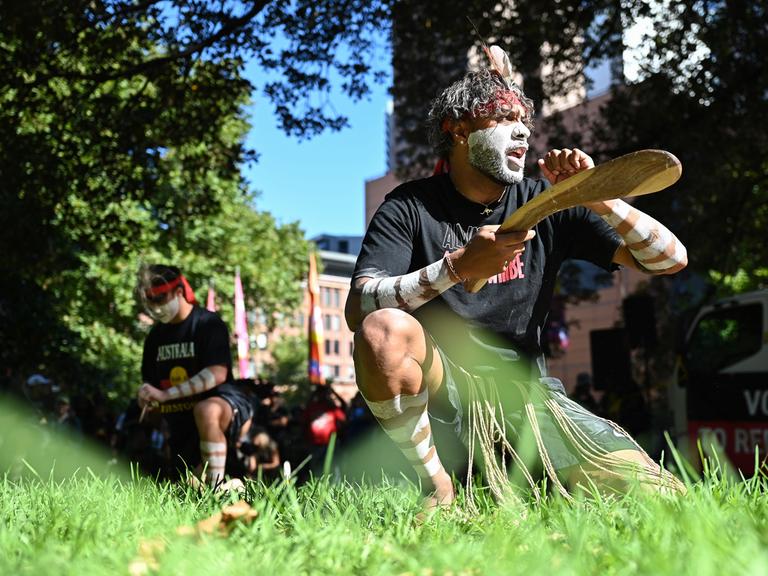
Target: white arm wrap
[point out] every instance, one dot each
(409, 291)
(200, 382)
(652, 245)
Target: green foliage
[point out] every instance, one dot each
(739, 282)
(122, 130)
(290, 356)
(702, 96)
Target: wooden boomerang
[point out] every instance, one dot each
(634, 174)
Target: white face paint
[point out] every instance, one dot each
(164, 312)
(499, 151)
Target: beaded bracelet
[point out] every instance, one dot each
(453, 270)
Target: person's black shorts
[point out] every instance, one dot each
(184, 439)
(498, 367)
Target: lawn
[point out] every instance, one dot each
(102, 520)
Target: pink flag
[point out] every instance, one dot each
(315, 325)
(241, 328)
(210, 304)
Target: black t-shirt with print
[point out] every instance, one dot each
(174, 353)
(420, 221)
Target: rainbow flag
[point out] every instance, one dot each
(315, 325)
(241, 329)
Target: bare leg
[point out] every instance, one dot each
(212, 417)
(390, 356)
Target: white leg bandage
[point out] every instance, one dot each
(652, 245)
(405, 420)
(409, 291)
(200, 382)
(214, 459)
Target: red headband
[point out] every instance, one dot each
(501, 104)
(189, 295)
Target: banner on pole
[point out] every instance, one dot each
(210, 302)
(241, 329)
(315, 325)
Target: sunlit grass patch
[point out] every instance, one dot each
(94, 522)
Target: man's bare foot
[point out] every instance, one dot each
(443, 495)
(435, 500)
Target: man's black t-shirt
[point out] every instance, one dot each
(173, 353)
(421, 221)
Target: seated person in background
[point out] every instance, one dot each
(324, 416)
(260, 455)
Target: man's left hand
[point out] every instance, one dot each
(557, 165)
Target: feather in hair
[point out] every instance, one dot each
(499, 62)
(497, 57)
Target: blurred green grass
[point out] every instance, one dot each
(29, 448)
(84, 519)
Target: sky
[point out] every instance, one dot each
(319, 182)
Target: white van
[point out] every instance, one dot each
(721, 389)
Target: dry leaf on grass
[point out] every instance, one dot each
(221, 522)
(146, 560)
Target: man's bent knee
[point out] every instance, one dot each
(389, 350)
(208, 409)
(387, 330)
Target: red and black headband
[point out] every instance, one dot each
(501, 105)
(160, 289)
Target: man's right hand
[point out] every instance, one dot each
(149, 397)
(488, 253)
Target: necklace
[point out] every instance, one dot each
(486, 207)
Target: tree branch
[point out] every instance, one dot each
(227, 29)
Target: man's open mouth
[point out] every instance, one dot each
(517, 152)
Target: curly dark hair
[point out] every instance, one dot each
(478, 95)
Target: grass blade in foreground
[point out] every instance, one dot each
(94, 526)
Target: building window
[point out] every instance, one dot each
(336, 297)
(336, 347)
(336, 371)
(332, 322)
(351, 348)
(327, 347)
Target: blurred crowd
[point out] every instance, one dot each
(291, 430)
(292, 426)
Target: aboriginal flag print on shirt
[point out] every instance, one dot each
(420, 221)
(174, 353)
